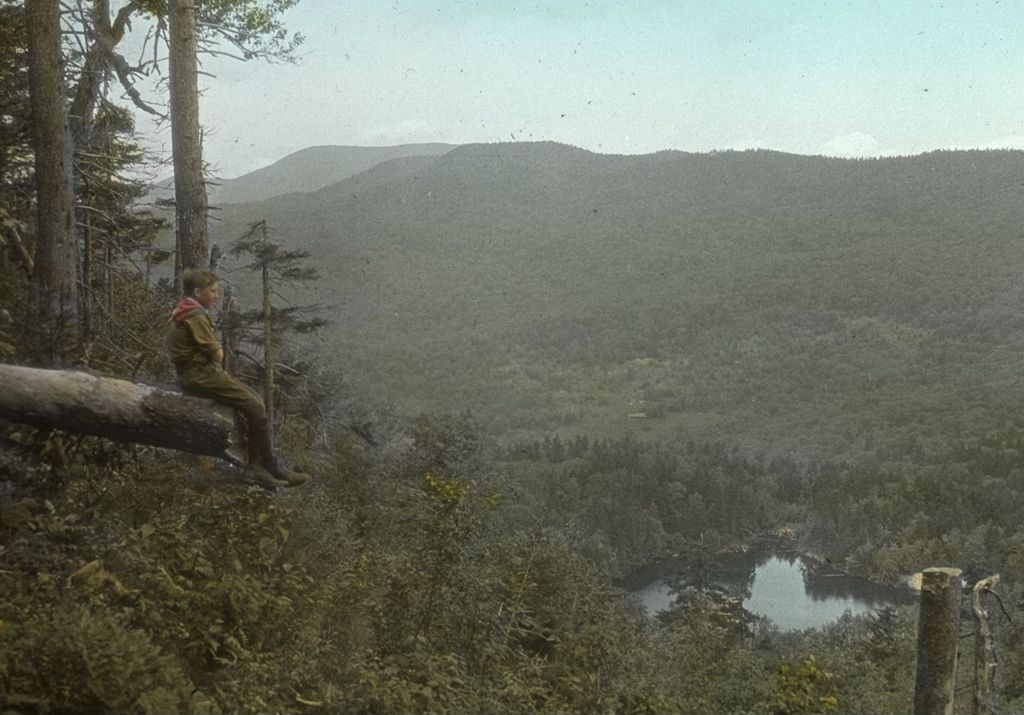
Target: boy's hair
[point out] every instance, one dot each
(195, 278)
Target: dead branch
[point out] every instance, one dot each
(984, 657)
(123, 72)
(11, 231)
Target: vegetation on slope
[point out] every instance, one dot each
(457, 564)
(415, 575)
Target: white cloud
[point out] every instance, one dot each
(851, 146)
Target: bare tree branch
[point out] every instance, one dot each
(984, 665)
(123, 19)
(1002, 606)
(10, 229)
(124, 74)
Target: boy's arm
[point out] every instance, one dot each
(202, 332)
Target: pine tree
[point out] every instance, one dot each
(16, 158)
(56, 258)
(190, 197)
(277, 266)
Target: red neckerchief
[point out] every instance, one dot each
(184, 308)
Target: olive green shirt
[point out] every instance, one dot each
(192, 342)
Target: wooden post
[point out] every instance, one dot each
(938, 634)
(984, 660)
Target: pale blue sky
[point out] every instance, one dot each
(847, 78)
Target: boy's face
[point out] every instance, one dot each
(209, 296)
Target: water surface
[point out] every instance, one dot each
(783, 588)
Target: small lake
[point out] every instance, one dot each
(784, 588)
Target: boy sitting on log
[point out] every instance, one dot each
(197, 356)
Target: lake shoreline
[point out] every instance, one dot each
(773, 578)
(783, 541)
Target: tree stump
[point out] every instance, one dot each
(938, 636)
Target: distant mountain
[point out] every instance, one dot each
(313, 168)
(766, 297)
(305, 170)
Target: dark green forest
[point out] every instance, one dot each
(544, 369)
(794, 305)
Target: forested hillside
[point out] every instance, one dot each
(313, 168)
(305, 170)
(797, 305)
(844, 336)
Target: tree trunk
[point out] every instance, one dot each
(119, 410)
(190, 199)
(938, 635)
(108, 282)
(87, 271)
(268, 351)
(55, 269)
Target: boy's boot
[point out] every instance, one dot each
(261, 452)
(292, 477)
(255, 473)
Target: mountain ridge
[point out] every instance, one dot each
(305, 170)
(314, 167)
(457, 276)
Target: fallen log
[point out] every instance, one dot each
(121, 410)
